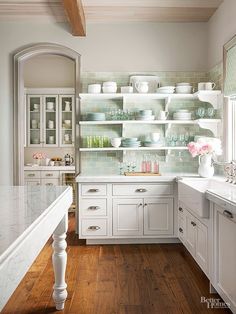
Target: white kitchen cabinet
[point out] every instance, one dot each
(32, 182)
(50, 125)
(194, 235)
(54, 182)
(224, 260)
(158, 216)
(128, 217)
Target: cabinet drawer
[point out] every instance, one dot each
(50, 174)
(94, 189)
(49, 181)
(93, 207)
(142, 189)
(181, 228)
(32, 182)
(32, 174)
(93, 227)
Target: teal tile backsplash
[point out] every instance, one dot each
(101, 163)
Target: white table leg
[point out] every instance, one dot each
(59, 259)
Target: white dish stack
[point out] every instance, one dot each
(166, 90)
(184, 88)
(182, 115)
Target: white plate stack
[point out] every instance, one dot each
(166, 90)
(182, 115)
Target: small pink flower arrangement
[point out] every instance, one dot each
(204, 147)
(39, 156)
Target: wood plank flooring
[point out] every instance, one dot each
(116, 279)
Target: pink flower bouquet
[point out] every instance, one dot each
(39, 156)
(204, 147)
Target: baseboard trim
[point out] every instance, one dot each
(131, 241)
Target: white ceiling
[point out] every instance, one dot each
(107, 11)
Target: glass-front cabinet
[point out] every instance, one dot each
(50, 119)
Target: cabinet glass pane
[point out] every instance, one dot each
(66, 120)
(51, 120)
(34, 119)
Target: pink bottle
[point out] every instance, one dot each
(148, 164)
(144, 164)
(156, 165)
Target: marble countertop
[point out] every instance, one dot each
(224, 197)
(21, 207)
(49, 168)
(167, 177)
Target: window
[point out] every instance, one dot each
(230, 103)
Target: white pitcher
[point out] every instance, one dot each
(205, 169)
(142, 87)
(67, 106)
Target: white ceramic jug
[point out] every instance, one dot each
(142, 87)
(205, 169)
(67, 106)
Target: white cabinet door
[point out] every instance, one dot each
(202, 246)
(34, 120)
(158, 216)
(66, 120)
(190, 233)
(225, 255)
(50, 121)
(128, 217)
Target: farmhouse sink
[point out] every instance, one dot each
(191, 193)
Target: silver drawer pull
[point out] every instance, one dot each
(180, 209)
(93, 190)
(228, 214)
(94, 207)
(31, 175)
(49, 184)
(141, 190)
(49, 174)
(193, 224)
(94, 228)
(181, 230)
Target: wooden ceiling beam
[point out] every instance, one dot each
(75, 13)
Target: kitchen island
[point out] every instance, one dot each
(29, 215)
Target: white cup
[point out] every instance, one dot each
(47, 161)
(126, 89)
(210, 86)
(34, 124)
(51, 163)
(50, 105)
(51, 124)
(116, 142)
(51, 139)
(163, 115)
(142, 87)
(36, 107)
(201, 86)
(155, 137)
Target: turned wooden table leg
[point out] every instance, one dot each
(59, 259)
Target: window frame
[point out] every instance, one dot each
(229, 112)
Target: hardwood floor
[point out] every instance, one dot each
(116, 279)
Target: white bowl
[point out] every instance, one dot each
(155, 137)
(94, 88)
(109, 89)
(167, 87)
(116, 142)
(184, 89)
(165, 91)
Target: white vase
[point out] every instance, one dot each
(205, 169)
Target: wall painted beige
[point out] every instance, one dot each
(49, 71)
(221, 28)
(126, 47)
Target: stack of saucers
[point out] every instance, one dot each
(145, 115)
(130, 142)
(166, 90)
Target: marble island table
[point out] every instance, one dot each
(29, 215)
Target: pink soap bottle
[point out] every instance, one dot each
(156, 165)
(148, 164)
(144, 164)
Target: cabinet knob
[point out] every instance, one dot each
(31, 175)
(94, 207)
(180, 209)
(140, 204)
(141, 190)
(145, 204)
(49, 174)
(181, 230)
(228, 214)
(193, 223)
(93, 190)
(49, 184)
(94, 228)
